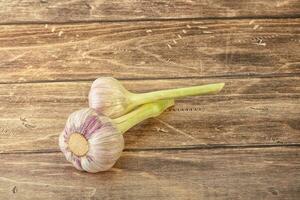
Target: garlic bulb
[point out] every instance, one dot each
(109, 97)
(90, 141)
(94, 142)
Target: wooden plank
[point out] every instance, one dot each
(248, 111)
(192, 48)
(271, 173)
(15, 11)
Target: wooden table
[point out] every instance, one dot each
(241, 144)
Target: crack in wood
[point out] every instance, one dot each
(176, 129)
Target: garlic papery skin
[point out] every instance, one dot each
(94, 142)
(109, 97)
(91, 142)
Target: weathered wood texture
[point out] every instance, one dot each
(272, 173)
(240, 144)
(197, 48)
(248, 111)
(15, 11)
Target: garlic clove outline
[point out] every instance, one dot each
(109, 97)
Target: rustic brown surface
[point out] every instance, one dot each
(15, 11)
(271, 173)
(251, 113)
(129, 50)
(240, 144)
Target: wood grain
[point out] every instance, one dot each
(271, 173)
(248, 111)
(240, 144)
(15, 11)
(126, 50)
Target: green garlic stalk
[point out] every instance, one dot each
(108, 96)
(145, 111)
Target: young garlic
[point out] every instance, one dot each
(94, 142)
(109, 97)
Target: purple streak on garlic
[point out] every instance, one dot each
(104, 142)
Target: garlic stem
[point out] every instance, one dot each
(138, 99)
(143, 112)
